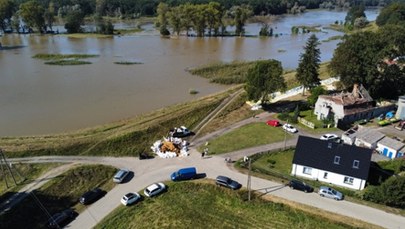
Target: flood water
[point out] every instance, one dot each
(42, 99)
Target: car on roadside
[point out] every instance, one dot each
(289, 128)
(154, 189)
(91, 196)
(274, 123)
(329, 137)
(61, 219)
(227, 182)
(300, 185)
(130, 198)
(119, 177)
(325, 191)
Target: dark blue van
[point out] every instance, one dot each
(184, 174)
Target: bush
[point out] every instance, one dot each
(391, 192)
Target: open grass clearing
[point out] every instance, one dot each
(201, 204)
(250, 135)
(57, 195)
(28, 172)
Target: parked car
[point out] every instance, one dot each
(325, 191)
(227, 182)
(181, 132)
(130, 198)
(91, 196)
(274, 123)
(184, 174)
(299, 185)
(329, 137)
(154, 189)
(61, 219)
(120, 175)
(289, 128)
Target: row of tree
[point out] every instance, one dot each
(209, 17)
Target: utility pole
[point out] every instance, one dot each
(3, 162)
(249, 179)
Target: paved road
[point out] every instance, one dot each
(158, 169)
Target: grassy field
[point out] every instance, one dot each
(58, 194)
(126, 137)
(236, 72)
(204, 205)
(28, 172)
(247, 136)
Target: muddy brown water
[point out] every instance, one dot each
(36, 98)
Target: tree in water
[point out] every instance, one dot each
(162, 21)
(32, 14)
(264, 78)
(240, 15)
(307, 72)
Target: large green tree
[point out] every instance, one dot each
(74, 21)
(356, 11)
(307, 72)
(240, 15)
(392, 14)
(264, 78)
(32, 14)
(162, 20)
(7, 9)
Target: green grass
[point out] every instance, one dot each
(279, 162)
(128, 31)
(67, 62)
(28, 172)
(58, 194)
(333, 38)
(87, 35)
(127, 62)
(124, 138)
(247, 136)
(202, 205)
(44, 56)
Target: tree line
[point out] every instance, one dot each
(41, 13)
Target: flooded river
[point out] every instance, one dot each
(42, 99)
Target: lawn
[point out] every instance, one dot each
(279, 162)
(58, 194)
(201, 204)
(28, 172)
(250, 135)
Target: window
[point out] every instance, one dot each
(356, 164)
(337, 160)
(325, 175)
(307, 170)
(348, 180)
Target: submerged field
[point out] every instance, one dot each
(204, 205)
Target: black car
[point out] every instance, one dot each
(299, 185)
(91, 196)
(227, 182)
(61, 219)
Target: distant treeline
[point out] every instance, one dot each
(134, 8)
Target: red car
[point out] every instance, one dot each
(274, 123)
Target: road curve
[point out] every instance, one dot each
(158, 169)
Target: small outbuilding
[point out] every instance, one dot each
(391, 148)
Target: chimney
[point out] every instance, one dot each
(355, 92)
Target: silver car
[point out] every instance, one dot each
(330, 193)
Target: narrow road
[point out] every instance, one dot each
(158, 169)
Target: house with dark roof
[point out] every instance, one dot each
(339, 164)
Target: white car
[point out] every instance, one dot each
(130, 198)
(154, 189)
(328, 136)
(289, 128)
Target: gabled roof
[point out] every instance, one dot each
(321, 154)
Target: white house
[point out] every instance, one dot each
(348, 107)
(391, 148)
(339, 164)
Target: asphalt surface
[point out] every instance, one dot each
(149, 171)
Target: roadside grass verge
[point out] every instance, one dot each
(60, 193)
(201, 204)
(28, 172)
(276, 166)
(250, 135)
(128, 137)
